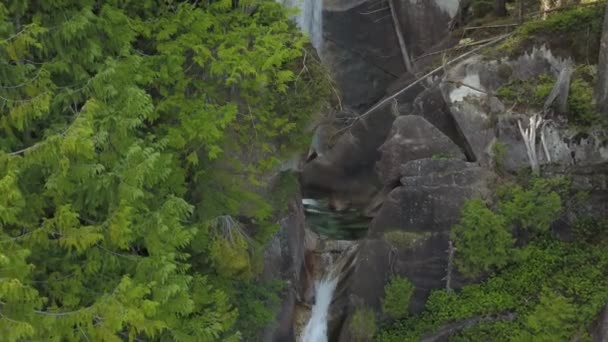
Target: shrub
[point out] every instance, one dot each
(397, 294)
(482, 239)
(533, 209)
(362, 327)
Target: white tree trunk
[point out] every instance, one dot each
(529, 136)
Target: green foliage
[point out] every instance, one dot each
(534, 208)
(482, 239)
(553, 319)
(362, 326)
(551, 291)
(499, 151)
(531, 93)
(397, 294)
(127, 129)
(575, 271)
(573, 33)
(482, 8)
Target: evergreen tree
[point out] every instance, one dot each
(116, 119)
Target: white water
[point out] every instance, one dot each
(316, 328)
(309, 19)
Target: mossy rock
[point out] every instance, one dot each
(404, 239)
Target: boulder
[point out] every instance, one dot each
(411, 138)
(347, 169)
(431, 196)
(409, 237)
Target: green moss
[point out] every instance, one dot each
(363, 327)
(404, 240)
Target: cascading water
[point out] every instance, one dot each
(309, 19)
(316, 328)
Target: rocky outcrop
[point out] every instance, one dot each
(361, 48)
(431, 196)
(412, 138)
(347, 169)
(284, 258)
(409, 236)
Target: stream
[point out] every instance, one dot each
(334, 228)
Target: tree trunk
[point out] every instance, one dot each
(500, 8)
(601, 88)
(545, 5)
(406, 57)
(520, 11)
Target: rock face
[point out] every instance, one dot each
(431, 196)
(409, 236)
(347, 169)
(361, 48)
(412, 138)
(284, 258)
(599, 331)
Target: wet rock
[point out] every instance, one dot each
(411, 138)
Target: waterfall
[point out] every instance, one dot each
(309, 19)
(316, 328)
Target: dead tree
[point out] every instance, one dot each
(449, 270)
(601, 88)
(529, 136)
(407, 63)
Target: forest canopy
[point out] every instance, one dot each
(131, 135)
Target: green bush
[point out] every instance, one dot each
(482, 239)
(397, 295)
(363, 327)
(534, 208)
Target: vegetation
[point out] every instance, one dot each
(362, 326)
(482, 238)
(403, 239)
(533, 92)
(397, 294)
(550, 289)
(135, 137)
(574, 33)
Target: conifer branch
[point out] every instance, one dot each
(62, 134)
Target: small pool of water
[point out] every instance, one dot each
(339, 225)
